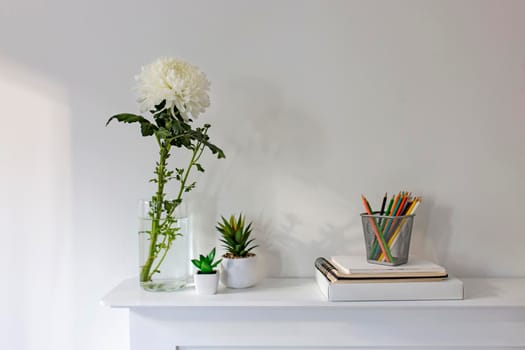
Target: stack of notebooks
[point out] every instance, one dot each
(352, 278)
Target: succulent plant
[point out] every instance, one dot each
(205, 264)
(236, 237)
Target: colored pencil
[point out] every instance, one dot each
(390, 227)
(395, 222)
(397, 202)
(381, 226)
(389, 206)
(383, 204)
(393, 239)
(374, 252)
(382, 211)
(379, 236)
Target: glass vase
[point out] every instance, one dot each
(164, 263)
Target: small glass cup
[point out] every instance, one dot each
(390, 234)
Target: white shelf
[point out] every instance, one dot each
(301, 292)
(282, 313)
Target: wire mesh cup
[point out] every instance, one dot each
(387, 238)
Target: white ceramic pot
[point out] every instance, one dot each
(206, 283)
(240, 272)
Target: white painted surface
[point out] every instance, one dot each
(494, 294)
(293, 313)
(304, 95)
(35, 211)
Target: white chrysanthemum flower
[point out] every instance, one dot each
(178, 83)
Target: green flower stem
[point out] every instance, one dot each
(192, 163)
(194, 159)
(146, 273)
(166, 249)
(197, 152)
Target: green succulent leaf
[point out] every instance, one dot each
(205, 263)
(205, 266)
(211, 256)
(235, 235)
(238, 236)
(197, 263)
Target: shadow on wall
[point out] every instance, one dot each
(431, 234)
(293, 242)
(273, 173)
(263, 135)
(35, 212)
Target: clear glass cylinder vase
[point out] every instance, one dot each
(164, 255)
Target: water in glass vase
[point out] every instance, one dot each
(164, 263)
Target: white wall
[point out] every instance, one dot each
(314, 102)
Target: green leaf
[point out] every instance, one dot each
(250, 241)
(214, 149)
(163, 133)
(190, 187)
(159, 107)
(238, 235)
(197, 263)
(205, 266)
(128, 118)
(199, 167)
(147, 129)
(228, 241)
(211, 256)
(202, 137)
(240, 221)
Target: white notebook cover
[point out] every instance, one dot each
(357, 264)
(448, 289)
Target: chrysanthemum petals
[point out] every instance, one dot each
(180, 84)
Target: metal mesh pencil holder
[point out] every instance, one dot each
(387, 238)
